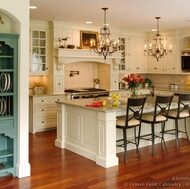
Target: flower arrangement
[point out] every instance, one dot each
(134, 81)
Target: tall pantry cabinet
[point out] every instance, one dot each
(8, 103)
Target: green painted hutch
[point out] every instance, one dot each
(8, 103)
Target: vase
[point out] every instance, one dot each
(134, 92)
(146, 85)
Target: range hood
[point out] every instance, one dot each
(66, 56)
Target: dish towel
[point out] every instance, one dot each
(95, 104)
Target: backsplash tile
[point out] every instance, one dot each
(87, 73)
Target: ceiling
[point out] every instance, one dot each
(136, 15)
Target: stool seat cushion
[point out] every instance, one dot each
(173, 114)
(121, 122)
(150, 117)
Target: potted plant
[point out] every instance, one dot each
(147, 82)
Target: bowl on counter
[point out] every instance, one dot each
(70, 46)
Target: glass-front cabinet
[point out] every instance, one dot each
(38, 52)
(122, 49)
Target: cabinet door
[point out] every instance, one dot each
(141, 58)
(38, 52)
(155, 66)
(130, 54)
(58, 84)
(123, 53)
(114, 82)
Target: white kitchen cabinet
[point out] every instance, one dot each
(166, 64)
(58, 84)
(141, 58)
(123, 52)
(135, 59)
(130, 55)
(115, 81)
(43, 113)
(38, 52)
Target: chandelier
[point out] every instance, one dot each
(104, 46)
(158, 48)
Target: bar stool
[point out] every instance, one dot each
(131, 121)
(181, 112)
(158, 116)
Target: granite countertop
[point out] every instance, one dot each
(149, 105)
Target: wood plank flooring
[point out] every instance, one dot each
(55, 168)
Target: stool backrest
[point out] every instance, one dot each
(162, 106)
(134, 109)
(183, 103)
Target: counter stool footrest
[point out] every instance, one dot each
(143, 137)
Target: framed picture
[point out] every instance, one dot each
(88, 38)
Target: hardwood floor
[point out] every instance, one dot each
(55, 168)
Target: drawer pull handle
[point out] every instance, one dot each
(42, 110)
(42, 100)
(42, 121)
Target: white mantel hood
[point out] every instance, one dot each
(66, 56)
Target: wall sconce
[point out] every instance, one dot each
(72, 73)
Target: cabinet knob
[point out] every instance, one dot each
(42, 100)
(59, 83)
(42, 110)
(42, 121)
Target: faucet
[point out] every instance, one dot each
(72, 73)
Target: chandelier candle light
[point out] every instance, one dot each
(105, 46)
(158, 48)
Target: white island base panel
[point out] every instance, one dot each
(92, 133)
(87, 132)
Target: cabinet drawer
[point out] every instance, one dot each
(45, 110)
(43, 100)
(46, 122)
(6, 124)
(56, 98)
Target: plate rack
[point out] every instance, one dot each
(8, 103)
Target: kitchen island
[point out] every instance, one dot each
(91, 131)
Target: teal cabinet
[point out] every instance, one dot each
(8, 103)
